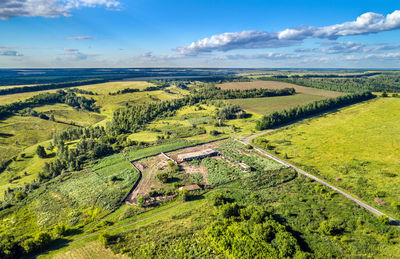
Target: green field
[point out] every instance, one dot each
(272, 104)
(354, 148)
(266, 105)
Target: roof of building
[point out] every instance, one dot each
(202, 153)
(192, 187)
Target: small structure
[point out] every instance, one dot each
(193, 187)
(197, 155)
(245, 167)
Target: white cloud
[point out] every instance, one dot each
(364, 24)
(348, 47)
(48, 8)
(80, 38)
(147, 54)
(269, 56)
(384, 56)
(10, 53)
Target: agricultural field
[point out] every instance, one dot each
(75, 199)
(263, 106)
(323, 223)
(90, 178)
(354, 148)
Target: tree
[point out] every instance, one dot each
(40, 151)
(163, 177)
(140, 201)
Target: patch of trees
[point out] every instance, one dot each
(25, 89)
(230, 112)
(279, 118)
(77, 133)
(215, 93)
(132, 118)
(16, 247)
(125, 91)
(72, 159)
(67, 97)
(250, 232)
(378, 83)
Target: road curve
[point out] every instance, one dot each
(362, 204)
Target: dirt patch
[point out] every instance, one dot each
(380, 201)
(149, 169)
(196, 170)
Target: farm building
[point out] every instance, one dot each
(197, 155)
(193, 187)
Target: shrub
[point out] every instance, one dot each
(384, 220)
(140, 201)
(40, 151)
(185, 195)
(230, 210)
(163, 177)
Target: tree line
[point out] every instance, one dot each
(279, 118)
(132, 118)
(67, 97)
(35, 88)
(378, 83)
(212, 92)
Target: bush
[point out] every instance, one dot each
(214, 133)
(185, 195)
(163, 177)
(230, 210)
(40, 151)
(140, 201)
(384, 220)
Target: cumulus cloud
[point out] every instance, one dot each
(73, 55)
(270, 56)
(48, 8)
(10, 53)
(147, 54)
(348, 47)
(80, 38)
(383, 56)
(366, 23)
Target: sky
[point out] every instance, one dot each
(200, 33)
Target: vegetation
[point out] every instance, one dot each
(36, 88)
(358, 160)
(64, 190)
(285, 116)
(356, 83)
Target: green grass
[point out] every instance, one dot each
(271, 104)
(67, 114)
(355, 149)
(144, 152)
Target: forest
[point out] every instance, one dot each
(389, 82)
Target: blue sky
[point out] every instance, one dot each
(202, 33)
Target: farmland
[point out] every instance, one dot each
(72, 180)
(267, 105)
(353, 148)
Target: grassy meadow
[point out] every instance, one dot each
(354, 148)
(266, 105)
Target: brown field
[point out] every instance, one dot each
(279, 85)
